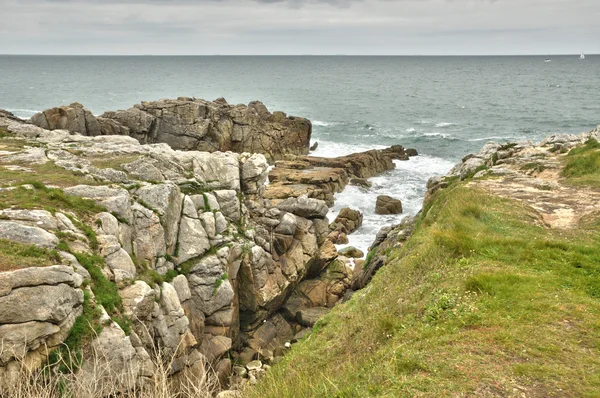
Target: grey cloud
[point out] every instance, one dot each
(299, 26)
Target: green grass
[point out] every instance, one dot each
(112, 162)
(582, 164)
(480, 300)
(48, 173)
(15, 255)
(50, 199)
(68, 357)
(105, 291)
(4, 133)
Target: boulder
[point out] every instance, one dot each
(304, 207)
(309, 316)
(348, 220)
(388, 205)
(351, 252)
(21, 233)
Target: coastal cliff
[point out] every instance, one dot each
(491, 291)
(125, 256)
(191, 124)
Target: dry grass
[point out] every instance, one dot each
(98, 378)
(112, 162)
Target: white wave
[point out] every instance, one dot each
(22, 113)
(329, 149)
(407, 182)
(444, 124)
(411, 130)
(322, 124)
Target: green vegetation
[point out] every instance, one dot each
(112, 162)
(48, 173)
(533, 166)
(482, 300)
(582, 164)
(152, 277)
(369, 257)
(105, 291)
(50, 199)
(68, 357)
(15, 255)
(4, 133)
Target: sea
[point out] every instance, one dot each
(444, 107)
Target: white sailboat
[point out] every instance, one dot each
(582, 56)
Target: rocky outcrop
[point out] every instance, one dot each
(197, 218)
(191, 124)
(38, 307)
(321, 178)
(387, 205)
(388, 237)
(347, 221)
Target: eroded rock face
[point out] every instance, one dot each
(321, 178)
(191, 124)
(38, 307)
(201, 216)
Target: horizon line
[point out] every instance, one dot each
(295, 55)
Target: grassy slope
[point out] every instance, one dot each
(481, 301)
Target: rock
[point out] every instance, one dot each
(348, 220)
(148, 234)
(182, 287)
(288, 225)
(34, 218)
(388, 205)
(229, 204)
(43, 303)
(338, 237)
(138, 300)
(215, 170)
(321, 178)
(326, 254)
(301, 334)
(254, 365)
(166, 200)
(195, 124)
(254, 172)
(116, 355)
(314, 146)
(18, 232)
(213, 347)
(351, 252)
(360, 182)
(74, 118)
(309, 316)
(304, 207)
(193, 240)
(116, 200)
(229, 394)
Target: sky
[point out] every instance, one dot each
(290, 27)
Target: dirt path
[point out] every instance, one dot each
(534, 178)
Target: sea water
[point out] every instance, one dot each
(445, 107)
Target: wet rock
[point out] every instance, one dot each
(388, 205)
(309, 316)
(351, 252)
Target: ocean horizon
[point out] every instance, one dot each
(443, 106)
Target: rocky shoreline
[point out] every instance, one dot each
(203, 259)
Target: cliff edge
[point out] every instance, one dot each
(492, 291)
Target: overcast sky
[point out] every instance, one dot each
(403, 27)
